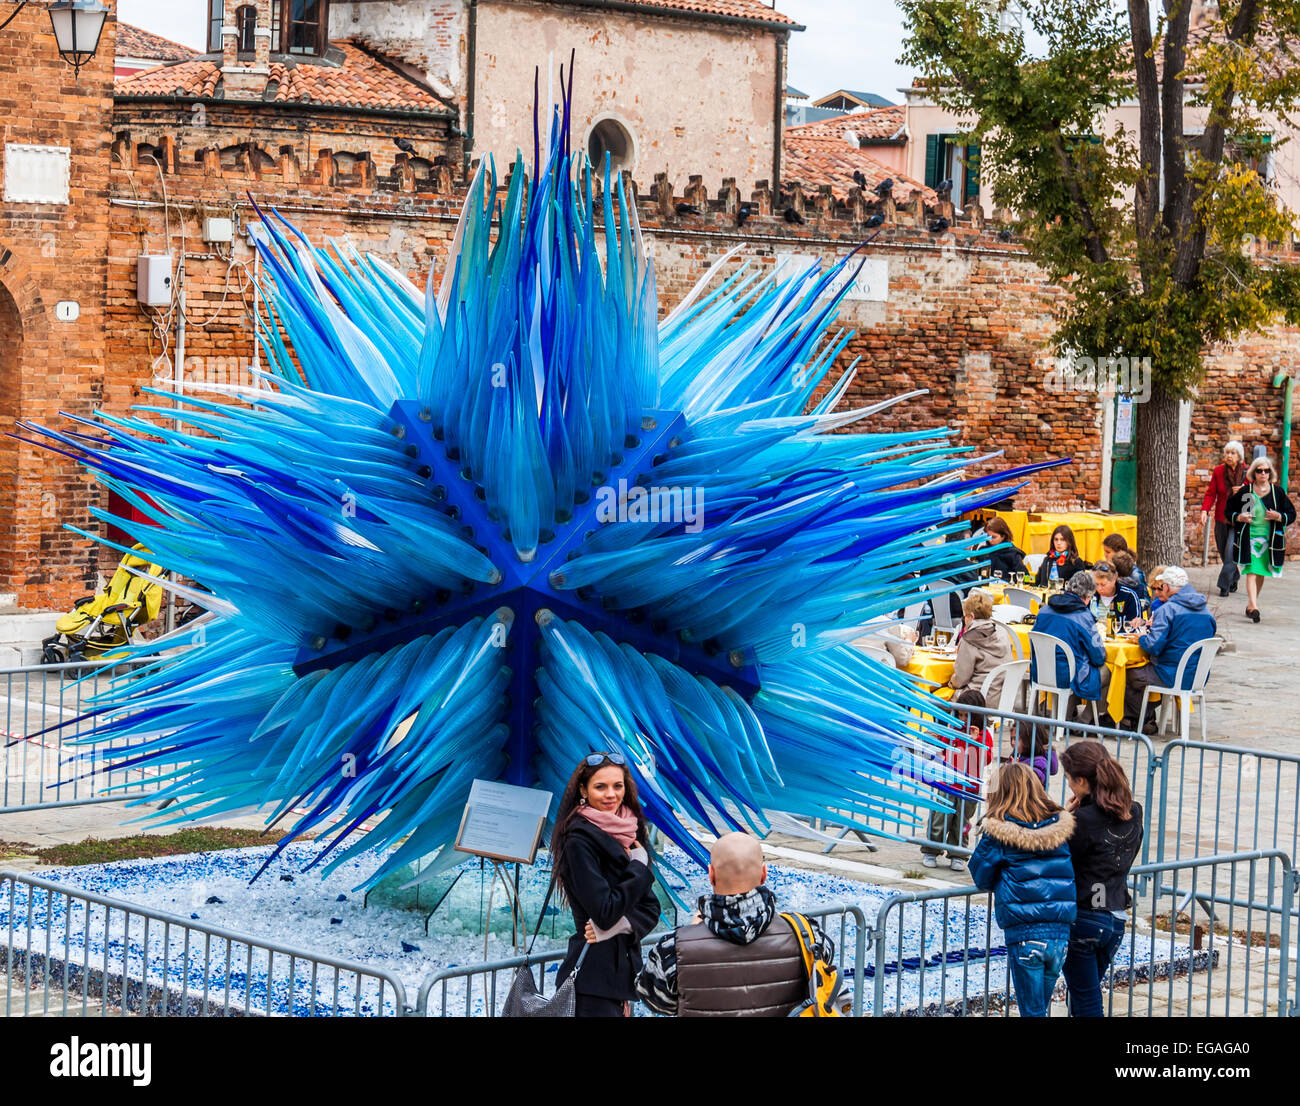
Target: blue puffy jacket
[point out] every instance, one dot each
(1027, 867)
(1181, 620)
(1067, 617)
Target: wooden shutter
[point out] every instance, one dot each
(933, 148)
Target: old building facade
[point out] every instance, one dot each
(959, 312)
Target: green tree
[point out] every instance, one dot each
(1155, 232)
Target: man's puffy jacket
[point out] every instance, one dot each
(1067, 617)
(1027, 867)
(1181, 620)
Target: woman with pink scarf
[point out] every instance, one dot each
(598, 853)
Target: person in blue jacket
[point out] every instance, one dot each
(1113, 595)
(1023, 857)
(1182, 619)
(1067, 616)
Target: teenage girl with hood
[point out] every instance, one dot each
(1023, 857)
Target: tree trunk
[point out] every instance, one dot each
(1160, 505)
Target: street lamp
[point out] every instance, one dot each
(77, 27)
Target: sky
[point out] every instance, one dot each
(848, 44)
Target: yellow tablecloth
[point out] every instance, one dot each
(1121, 655)
(1090, 529)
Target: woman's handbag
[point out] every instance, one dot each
(525, 1001)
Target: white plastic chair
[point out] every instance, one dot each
(1044, 647)
(941, 606)
(1019, 597)
(1205, 651)
(1033, 560)
(1017, 650)
(1014, 673)
(1007, 612)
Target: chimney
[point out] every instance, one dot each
(244, 73)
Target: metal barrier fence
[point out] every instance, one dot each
(1226, 798)
(36, 770)
(477, 991)
(1019, 736)
(72, 953)
(934, 953)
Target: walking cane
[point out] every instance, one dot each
(1205, 548)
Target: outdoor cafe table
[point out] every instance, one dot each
(1121, 655)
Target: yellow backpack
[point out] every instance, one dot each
(823, 978)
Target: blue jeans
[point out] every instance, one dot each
(1035, 967)
(1094, 937)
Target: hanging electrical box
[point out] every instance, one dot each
(153, 279)
(218, 230)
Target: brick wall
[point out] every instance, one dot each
(51, 252)
(967, 316)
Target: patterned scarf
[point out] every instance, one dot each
(740, 919)
(620, 824)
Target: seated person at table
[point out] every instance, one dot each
(983, 646)
(1113, 595)
(1066, 616)
(1156, 601)
(1007, 560)
(1181, 620)
(1125, 567)
(1062, 561)
(1115, 543)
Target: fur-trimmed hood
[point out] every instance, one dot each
(1032, 837)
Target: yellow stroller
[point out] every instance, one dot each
(100, 623)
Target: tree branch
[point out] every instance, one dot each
(1096, 248)
(1191, 242)
(1147, 192)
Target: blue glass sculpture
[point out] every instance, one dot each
(483, 531)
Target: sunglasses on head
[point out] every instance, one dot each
(595, 760)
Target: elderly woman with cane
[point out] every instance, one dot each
(1224, 480)
(1261, 512)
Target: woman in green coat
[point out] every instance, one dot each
(1260, 513)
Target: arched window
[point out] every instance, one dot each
(216, 10)
(610, 136)
(246, 24)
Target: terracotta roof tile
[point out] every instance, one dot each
(363, 80)
(817, 161)
(877, 125)
(136, 42)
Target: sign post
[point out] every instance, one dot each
(503, 823)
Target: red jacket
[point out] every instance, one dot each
(1221, 486)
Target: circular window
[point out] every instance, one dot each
(609, 136)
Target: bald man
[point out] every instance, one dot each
(738, 958)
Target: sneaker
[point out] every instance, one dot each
(928, 861)
(958, 865)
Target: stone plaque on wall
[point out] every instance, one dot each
(36, 174)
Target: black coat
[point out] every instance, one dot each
(603, 885)
(1005, 560)
(1275, 500)
(1102, 849)
(1072, 565)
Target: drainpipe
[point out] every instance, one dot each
(778, 111)
(1284, 475)
(467, 139)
